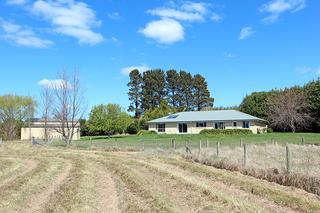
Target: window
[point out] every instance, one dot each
(220, 125)
(172, 116)
(183, 128)
(234, 124)
(201, 124)
(161, 127)
(246, 124)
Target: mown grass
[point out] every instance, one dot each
(164, 141)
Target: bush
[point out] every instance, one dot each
(132, 129)
(269, 130)
(226, 132)
(146, 132)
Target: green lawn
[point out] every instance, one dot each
(164, 141)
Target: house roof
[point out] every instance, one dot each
(217, 115)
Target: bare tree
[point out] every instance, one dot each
(68, 106)
(287, 111)
(46, 109)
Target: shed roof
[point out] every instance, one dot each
(216, 115)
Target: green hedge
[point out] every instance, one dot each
(226, 132)
(146, 132)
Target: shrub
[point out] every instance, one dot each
(226, 132)
(146, 132)
(132, 129)
(269, 130)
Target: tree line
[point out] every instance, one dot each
(180, 90)
(291, 109)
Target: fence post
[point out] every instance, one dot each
(245, 155)
(200, 146)
(207, 144)
(302, 141)
(142, 141)
(174, 143)
(241, 142)
(218, 149)
(288, 159)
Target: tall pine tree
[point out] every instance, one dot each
(135, 89)
(185, 91)
(201, 94)
(153, 89)
(172, 85)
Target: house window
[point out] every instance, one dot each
(219, 125)
(161, 127)
(234, 124)
(201, 124)
(246, 124)
(183, 128)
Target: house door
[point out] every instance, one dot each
(183, 128)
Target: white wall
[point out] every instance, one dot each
(172, 128)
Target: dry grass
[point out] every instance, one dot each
(73, 180)
(268, 162)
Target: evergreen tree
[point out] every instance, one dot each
(147, 90)
(153, 89)
(172, 85)
(201, 94)
(185, 91)
(312, 90)
(256, 104)
(159, 87)
(135, 89)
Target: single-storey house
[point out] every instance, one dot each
(194, 122)
(36, 129)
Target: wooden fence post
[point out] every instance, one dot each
(245, 155)
(174, 144)
(200, 146)
(142, 141)
(288, 159)
(302, 141)
(218, 149)
(241, 142)
(207, 144)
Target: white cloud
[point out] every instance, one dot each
(276, 7)
(308, 70)
(176, 14)
(17, 2)
(198, 7)
(216, 17)
(22, 36)
(228, 55)
(170, 27)
(114, 16)
(164, 31)
(52, 84)
(70, 18)
(141, 68)
(246, 32)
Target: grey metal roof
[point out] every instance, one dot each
(217, 115)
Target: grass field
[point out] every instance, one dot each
(58, 179)
(164, 141)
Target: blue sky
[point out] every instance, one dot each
(239, 46)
